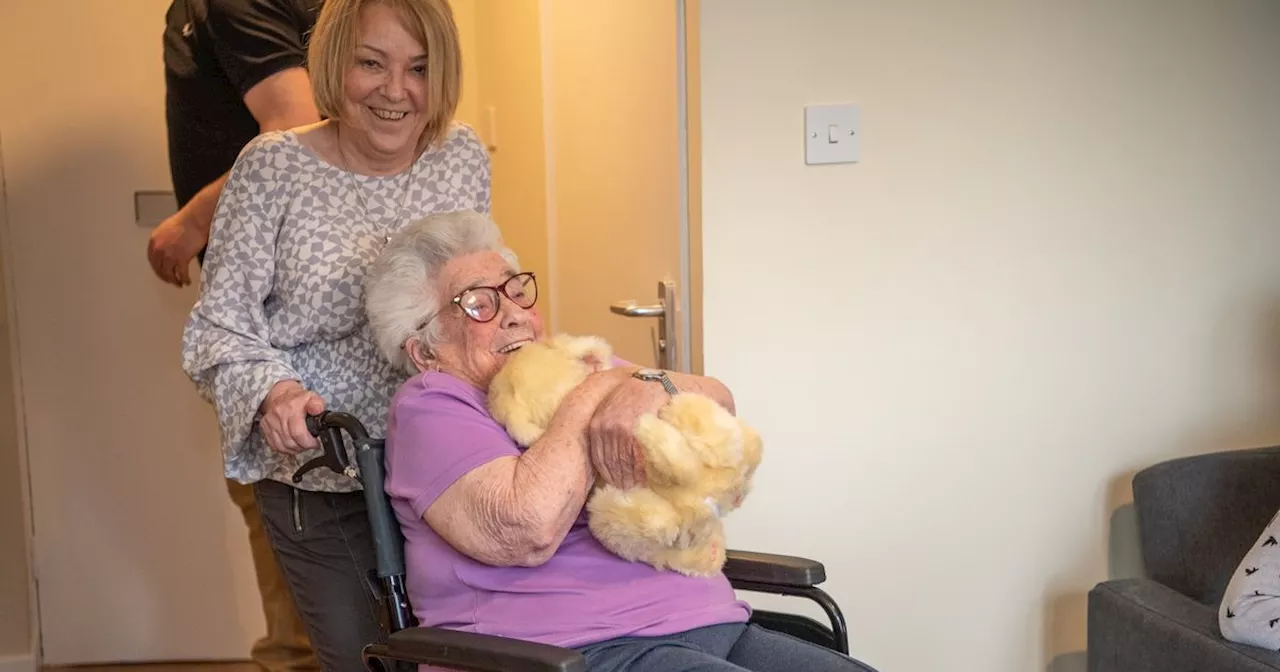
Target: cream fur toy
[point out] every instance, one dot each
(699, 458)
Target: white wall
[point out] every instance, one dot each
(1057, 263)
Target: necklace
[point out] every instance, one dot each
(359, 189)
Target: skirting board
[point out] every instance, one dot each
(24, 663)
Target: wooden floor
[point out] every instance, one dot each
(162, 667)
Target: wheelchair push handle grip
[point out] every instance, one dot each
(315, 424)
(337, 420)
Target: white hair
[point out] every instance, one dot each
(400, 291)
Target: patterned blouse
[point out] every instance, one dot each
(281, 288)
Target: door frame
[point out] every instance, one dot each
(689, 98)
(33, 655)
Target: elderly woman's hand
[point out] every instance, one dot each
(615, 453)
(284, 417)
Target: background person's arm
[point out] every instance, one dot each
(260, 49)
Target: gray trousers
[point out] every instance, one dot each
(324, 547)
(719, 648)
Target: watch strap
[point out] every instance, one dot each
(660, 376)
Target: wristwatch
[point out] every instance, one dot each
(657, 375)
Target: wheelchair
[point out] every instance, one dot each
(406, 645)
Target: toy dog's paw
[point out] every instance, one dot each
(524, 433)
(634, 523)
(702, 560)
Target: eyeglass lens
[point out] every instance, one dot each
(482, 303)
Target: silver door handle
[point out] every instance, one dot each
(630, 309)
(668, 350)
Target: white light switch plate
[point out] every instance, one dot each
(831, 134)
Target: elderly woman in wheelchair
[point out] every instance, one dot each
(496, 546)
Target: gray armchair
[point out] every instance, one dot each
(1197, 516)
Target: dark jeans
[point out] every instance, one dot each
(719, 648)
(325, 550)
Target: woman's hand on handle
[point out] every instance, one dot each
(284, 417)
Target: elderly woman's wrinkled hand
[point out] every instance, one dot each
(284, 417)
(615, 453)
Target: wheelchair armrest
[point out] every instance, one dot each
(475, 652)
(774, 570)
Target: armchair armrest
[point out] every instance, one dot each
(473, 652)
(774, 570)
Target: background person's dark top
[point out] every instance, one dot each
(214, 52)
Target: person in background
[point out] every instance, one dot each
(233, 70)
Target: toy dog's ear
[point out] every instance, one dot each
(593, 361)
(598, 353)
(594, 352)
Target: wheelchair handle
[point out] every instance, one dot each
(328, 428)
(371, 472)
(337, 420)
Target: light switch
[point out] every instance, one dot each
(831, 134)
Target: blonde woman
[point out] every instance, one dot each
(279, 332)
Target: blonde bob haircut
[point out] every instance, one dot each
(331, 52)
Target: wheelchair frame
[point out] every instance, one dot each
(408, 644)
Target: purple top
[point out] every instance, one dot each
(438, 429)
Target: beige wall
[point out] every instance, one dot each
(464, 16)
(507, 63)
(15, 599)
(1055, 264)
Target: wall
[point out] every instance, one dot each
(464, 17)
(507, 58)
(1054, 265)
(15, 598)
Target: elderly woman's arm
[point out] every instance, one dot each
(712, 387)
(516, 510)
(615, 454)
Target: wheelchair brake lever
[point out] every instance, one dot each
(333, 445)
